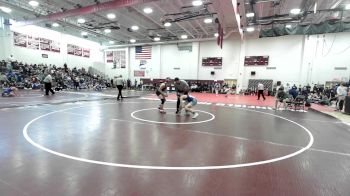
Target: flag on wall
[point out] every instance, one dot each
(143, 52)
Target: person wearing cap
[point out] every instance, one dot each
(161, 94)
(181, 88)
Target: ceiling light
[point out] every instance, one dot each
(135, 28)
(295, 11)
(208, 20)
(84, 33)
(250, 29)
(289, 26)
(184, 36)
(111, 42)
(216, 34)
(107, 30)
(250, 15)
(55, 25)
(33, 3)
(111, 16)
(5, 9)
(347, 7)
(197, 3)
(157, 39)
(167, 24)
(147, 10)
(81, 20)
(132, 41)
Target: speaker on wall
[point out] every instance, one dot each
(212, 73)
(252, 73)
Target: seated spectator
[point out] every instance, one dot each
(281, 97)
(293, 91)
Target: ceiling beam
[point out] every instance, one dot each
(86, 10)
(126, 35)
(153, 21)
(64, 23)
(161, 9)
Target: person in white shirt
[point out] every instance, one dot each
(261, 91)
(341, 92)
(119, 83)
(48, 84)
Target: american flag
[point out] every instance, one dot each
(143, 52)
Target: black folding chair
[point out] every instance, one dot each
(299, 102)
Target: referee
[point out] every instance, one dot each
(120, 85)
(181, 88)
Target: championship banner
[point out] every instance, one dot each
(78, 51)
(33, 42)
(19, 39)
(70, 49)
(140, 73)
(86, 53)
(109, 57)
(55, 46)
(45, 44)
(118, 58)
(36, 43)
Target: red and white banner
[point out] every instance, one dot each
(109, 57)
(19, 39)
(140, 73)
(55, 46)
(118, 58)
(45, 44)
(70, 49)
(36, 43)
(86, 53)
(78, 51)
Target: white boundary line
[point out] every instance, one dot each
(171, 123)
(26, 136)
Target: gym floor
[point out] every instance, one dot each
(90, 144)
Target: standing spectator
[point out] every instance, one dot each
(217, 88)
(119, 83)
(261, 91)
(76, 81)
(112, 84)
(181, 88)
(128, 84)
(48, 84)
(342, 93)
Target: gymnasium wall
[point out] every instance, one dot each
(300, 59)
(285, 57)
(169, 61)
(58, 59)
(293, 59)
(324, 55)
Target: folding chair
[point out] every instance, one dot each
(289, 102)
(299, 102)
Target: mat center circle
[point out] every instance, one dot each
(152, 115)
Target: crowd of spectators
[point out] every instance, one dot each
(31, 76)
(318, 94)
